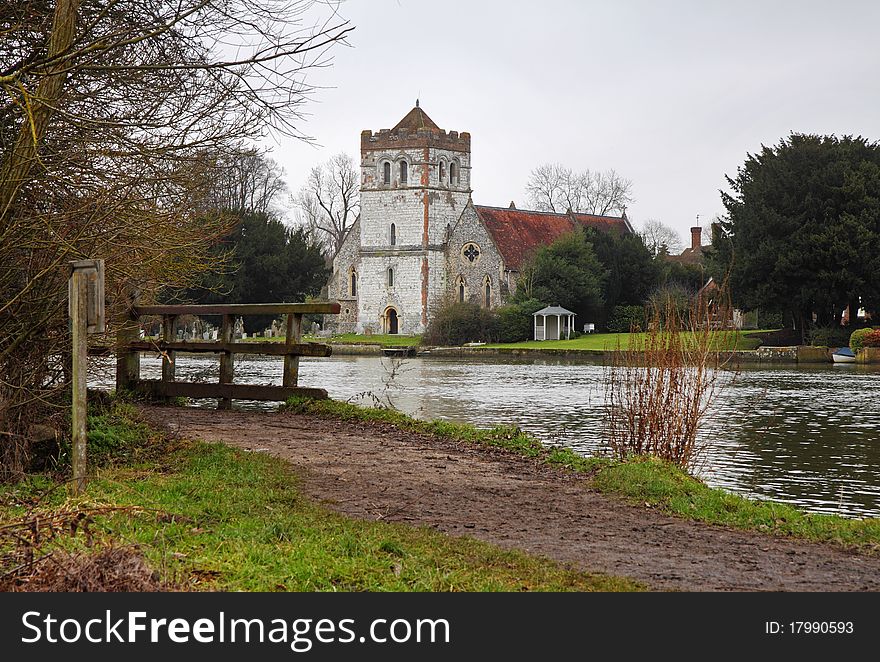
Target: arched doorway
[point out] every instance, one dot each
(391, 321)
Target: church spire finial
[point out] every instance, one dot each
(417, 102)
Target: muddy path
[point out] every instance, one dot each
(374, 471)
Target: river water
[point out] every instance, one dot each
(805, 436)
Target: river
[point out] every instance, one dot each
(805, 436)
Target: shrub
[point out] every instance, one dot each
(515, 322)
(857, 339)
(626, 318)
(660, 389)
(459, 323)
(829, 336)
(871, 339)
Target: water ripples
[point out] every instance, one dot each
(809, 437)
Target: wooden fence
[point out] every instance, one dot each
(129, 347)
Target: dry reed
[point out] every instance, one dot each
(659, 389)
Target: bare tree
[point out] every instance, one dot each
(657, 236)
(108, 112)
(557, 188)
(246, 181)
(329, 202)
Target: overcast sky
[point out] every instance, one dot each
(672, 95)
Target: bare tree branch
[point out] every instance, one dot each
(554, 187)
(123, 124)
(659, 238)
(329, 202)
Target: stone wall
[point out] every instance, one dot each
(377, 295)
(338, 287)
(470, 231)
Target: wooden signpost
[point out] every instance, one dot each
(86, 310)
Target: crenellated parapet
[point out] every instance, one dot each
(406, 138)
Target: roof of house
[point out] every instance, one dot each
(610, 223)
(518, 233)
(414, 120)
(553, 310)
(688, 256)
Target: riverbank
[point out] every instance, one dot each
(172, 514)
(799, 354)
(740, 348)
(505, 488)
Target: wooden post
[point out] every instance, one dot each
(169, 361)
(293, 336)
(128, 361)
(78, 292)
(227, 366)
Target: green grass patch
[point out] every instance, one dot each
(612, 341)
(641, 480)
(386, 340)
(502, 436)
(242, 522)
(658, 483)
(212, 517)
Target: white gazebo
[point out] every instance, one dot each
(552, 322)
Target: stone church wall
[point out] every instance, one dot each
(470, 230)
(338, 287)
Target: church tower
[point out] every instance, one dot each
(415, 182)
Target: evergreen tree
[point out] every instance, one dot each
(269, 263)
(566, 273)
(632, 272)
(803, 229)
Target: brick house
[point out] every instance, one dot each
(420, 238)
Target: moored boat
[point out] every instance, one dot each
(844, 355)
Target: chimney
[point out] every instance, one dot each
(696, 234)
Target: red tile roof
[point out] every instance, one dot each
(518, 233)
(414, 120)
(607, 223)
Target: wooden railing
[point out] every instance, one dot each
(129, 346)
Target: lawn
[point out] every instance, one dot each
(386, 340)
(726, 341)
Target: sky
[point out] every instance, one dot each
(672, 95)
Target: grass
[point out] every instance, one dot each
(220, 519)
(612, 341)
(660, 484)
(385, 340)
(509, 437)
(643, 481)
(592, 341)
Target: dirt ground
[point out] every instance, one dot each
(377, 472)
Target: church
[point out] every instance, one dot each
(421, 240)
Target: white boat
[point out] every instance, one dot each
(844, 355)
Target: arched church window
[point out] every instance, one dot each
(442, 172)
(453, 173)
(393, 234)
(390, 276)
(386, 173)
(353, 283)
(461, 292)
(404, 172)
(488, 292)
